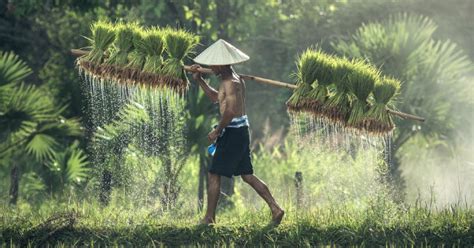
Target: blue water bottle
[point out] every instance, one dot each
(211, 149)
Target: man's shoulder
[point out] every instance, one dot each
(229, 82)
(232, 81)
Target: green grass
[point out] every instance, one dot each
(81, 224)
(345, 204)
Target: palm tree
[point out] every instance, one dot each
(431, 72)
(32, 128)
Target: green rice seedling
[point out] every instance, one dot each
(298, 96)
(153, 45)
(137, 56)
(324, 71)
(122, 45)
(384, 92)
(338, 103)
(103, 34)
(307, 67)
(361, 83)
(305, 76)
(178, 45)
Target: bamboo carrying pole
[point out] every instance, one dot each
(79, 52)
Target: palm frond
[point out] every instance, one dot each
(12, 68)
(76, 166)
(41, 146)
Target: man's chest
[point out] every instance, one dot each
(221, 94)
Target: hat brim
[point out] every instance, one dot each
(216, 64)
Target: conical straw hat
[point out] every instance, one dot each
(221, 53)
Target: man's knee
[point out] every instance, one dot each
(213, 177)
(247, 178)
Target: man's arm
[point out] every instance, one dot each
(208, 90)
(230, 110)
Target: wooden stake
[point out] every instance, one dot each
(299, 189)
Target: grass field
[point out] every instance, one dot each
(345, 204)
(87, 224)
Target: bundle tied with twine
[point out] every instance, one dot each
(351, 93)
(384, 93)
(338, 103)
(128, 53)
(361, 83)
(306, 75)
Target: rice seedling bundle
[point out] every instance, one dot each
(122, 45)
(299, 95)
(136, 55)
(379, 120)
(338, 103)
(306, 76)
(153, 47)
(324, 65)
(345, 93)
(178, 44)
(103, 34)
(362, 79)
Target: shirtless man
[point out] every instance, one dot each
(232, 155)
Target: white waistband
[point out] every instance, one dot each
(242, 121)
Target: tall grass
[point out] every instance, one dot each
(86, 224)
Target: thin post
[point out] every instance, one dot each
(299, 189)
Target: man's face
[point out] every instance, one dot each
(217, 69)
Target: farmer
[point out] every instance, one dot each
(231, 135)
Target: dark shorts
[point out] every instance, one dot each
(232, 155)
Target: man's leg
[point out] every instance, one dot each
(213, 192)
(262, 189)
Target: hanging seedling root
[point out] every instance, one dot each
(132, 76)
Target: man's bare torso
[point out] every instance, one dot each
(238, 87)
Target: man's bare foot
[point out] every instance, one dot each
(277, 216)
(207, 221)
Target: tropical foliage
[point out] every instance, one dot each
(33, 131)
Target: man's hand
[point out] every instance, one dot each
(213, 135)
(196, 74)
